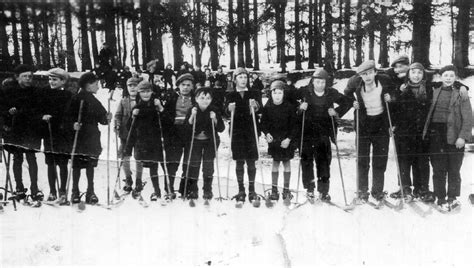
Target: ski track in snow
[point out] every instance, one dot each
(221, 235)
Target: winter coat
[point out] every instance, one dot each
(21, 129)
(459, 123)
(203, 123)
(55, 103)
(243, 136)
(122, 116)
(145, 135)
(280, 121)
(93, 113)
(169, 114)
(317, 120)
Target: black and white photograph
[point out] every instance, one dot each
(236, 133)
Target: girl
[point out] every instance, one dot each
(279, 126)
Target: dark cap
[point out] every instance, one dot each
(277, 84)
(403, 59)
(448, 68)
(23, 68)
(183, 77)
(87, 78)
(365, 66)
(321, 74)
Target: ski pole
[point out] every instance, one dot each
(357, 155)
(254, 121)
(230, 160)
(52, 153)
(392, 137)
(108, 147)
(300, 153)
(117, 153)
(339, 159)
(74, 144)
(189, 159)
(165, 168)
(127, 140)
(8, 182)
(217, 159)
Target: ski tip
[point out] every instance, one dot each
(239, 204)
(192, 203)
(81, 206)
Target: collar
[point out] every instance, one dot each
(242, 90)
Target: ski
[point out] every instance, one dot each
(347, 209)
(206, 202)
(142, 202)
(417, 208)
(239, 204)
(377, 205)
(80, 207)
(1, 209)
(192, 203)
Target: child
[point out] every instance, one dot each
(88, 146)
(55, 104)
(146, 138)
(448, 126)
(372, 91)
(203, 115)
(279, 126)
(244, 145)
(122, 116)
(318, 101)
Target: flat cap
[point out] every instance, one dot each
(59, 72)
(365, 66)
(183, 77)
(403, 59)
(321, 74)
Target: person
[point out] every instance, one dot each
(168, 75)
(202, 116)
(372, 91)
(123, 75)
(209, 79)
(318, 100)
(257, 84)
(447, 126)
(398, 70)
(57, 151)
(221, 76)
(88, 147)
(176, 140)
(244, 146)
(279, 126)
(23, 119)
(145, 138)
(121, 119)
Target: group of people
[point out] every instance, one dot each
(431, 122)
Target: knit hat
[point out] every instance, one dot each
(321, 74)
(403, 59)
(144, 86)
(23, 68)
(60, 73)
(87, 78)
(240, 70)
(134, 80)
(417, 65)
(277, 84)
(183, 77)
(365, 66)
(448, 68)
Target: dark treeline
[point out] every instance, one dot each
(329, 34)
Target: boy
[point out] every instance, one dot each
(318, 101)
(448, 126)
(203, 116)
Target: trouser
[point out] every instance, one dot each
(32, 168)
(413, 158)
(60, 160)
(153, 176)
(316, 150)
(446, 159)
(202, 150)
(373, 134)
(251, 172)
(176, 148)
(125, 159)
(76, 175)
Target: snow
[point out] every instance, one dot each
(221, 235)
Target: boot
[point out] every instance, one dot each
(428, 197)
(453, 203)
(325, 197)
(398, 194)
(91, 198)
(364, 196)
(192, 195)
(155, 196)
(207, 195)
(310, 193)
(75, 197)
(240, 197)
(379, 196)
(128, 185)
(287, 194)
(52, 197)
(252, 196)
(443, 205)
(275, 195)
(37, 196)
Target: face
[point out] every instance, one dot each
(132, 90)
(448, 78)
(203, 100)
(185, 87)
(25, 79)
(241, 80)
(207, 83)
(92, 87)
(368, 76)
(319, 84)
(400, 69)
(145, 95)
(277, 96)
(255, 76)
(415, 75)
(219, 70)
(56, 82)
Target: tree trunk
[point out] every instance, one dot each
(109, 22)
(175, 26)
(280, 9)
(240, 35)
(256, 58)
(86, 53)
(422, 21)
(359, 34)
(119, 49)
(145, 32)
(248, 50)
(71, 56)
(16, 43)
(371, 45)
(328, 43)
(197, 33)
(36, 38)
(135, 45)
(310, 36)
(231, 36)
(45, 55)
(339, 39)
(461, 38)
(95, 50)
(319, 39)
(25, 36)
(213, 35)
(124, 42)
(383, 55)
(347, 34)
(297, 36)
(5, 60)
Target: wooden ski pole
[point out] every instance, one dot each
(74, 144)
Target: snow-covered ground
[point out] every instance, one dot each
(221, 235)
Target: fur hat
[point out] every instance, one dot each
(60, 73)
(87, 78)
(403, 59)
(365, 66)
(183, 77)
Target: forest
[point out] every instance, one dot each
(330, 34)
